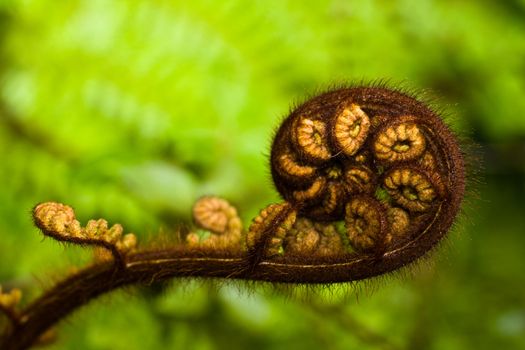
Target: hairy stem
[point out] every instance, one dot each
(148, 267)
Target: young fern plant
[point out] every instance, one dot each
(371, 180)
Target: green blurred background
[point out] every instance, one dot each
(130, 110)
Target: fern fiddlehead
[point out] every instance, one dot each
(377, 159)
(371, 180)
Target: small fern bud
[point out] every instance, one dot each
(58, 221)
(218, 216)
(127, 244)
(9, 300)
(8, 304)
(307, 237)
(276, 218)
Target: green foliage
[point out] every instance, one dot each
(131, 110)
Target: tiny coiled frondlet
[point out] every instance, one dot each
(220, 218)
(58, 221)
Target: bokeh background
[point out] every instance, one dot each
(130, 110)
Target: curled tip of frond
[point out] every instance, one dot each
(9, 300)
(127, 243)
(58, 221)
(218, 216)
(54, 218)
(276, 218)
(318, 239)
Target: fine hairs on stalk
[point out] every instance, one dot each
(371, 180)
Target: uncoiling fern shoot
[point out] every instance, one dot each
(371, 180)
